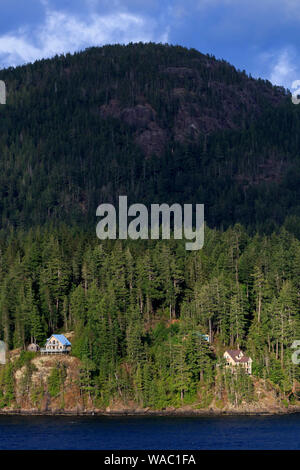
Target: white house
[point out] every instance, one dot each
(57, 344)
(236, 358)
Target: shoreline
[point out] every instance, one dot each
(144, 413)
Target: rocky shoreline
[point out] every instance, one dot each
(147, 412)
(70, 402)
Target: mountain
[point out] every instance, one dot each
(157, 123)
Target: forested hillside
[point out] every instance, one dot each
(138, 310)
(155, 122)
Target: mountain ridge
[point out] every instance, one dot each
(159, 123)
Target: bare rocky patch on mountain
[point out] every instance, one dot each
(141, 118)
(200, 103)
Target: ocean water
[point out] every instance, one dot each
(134, 433)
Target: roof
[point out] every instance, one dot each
(237, 355)
(62, 339)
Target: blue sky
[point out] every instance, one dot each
(260, 36)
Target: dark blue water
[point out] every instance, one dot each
(243, 432)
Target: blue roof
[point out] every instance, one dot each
(62, 339)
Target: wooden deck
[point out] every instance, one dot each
(54, 351)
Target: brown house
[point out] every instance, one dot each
(236, 358)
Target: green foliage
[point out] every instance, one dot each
(239, 387)
(24, 358)
(7, 385)
(56, 380)
(26, 380)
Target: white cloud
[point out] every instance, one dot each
(283, 66)
(62, 32)
(283, 69)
